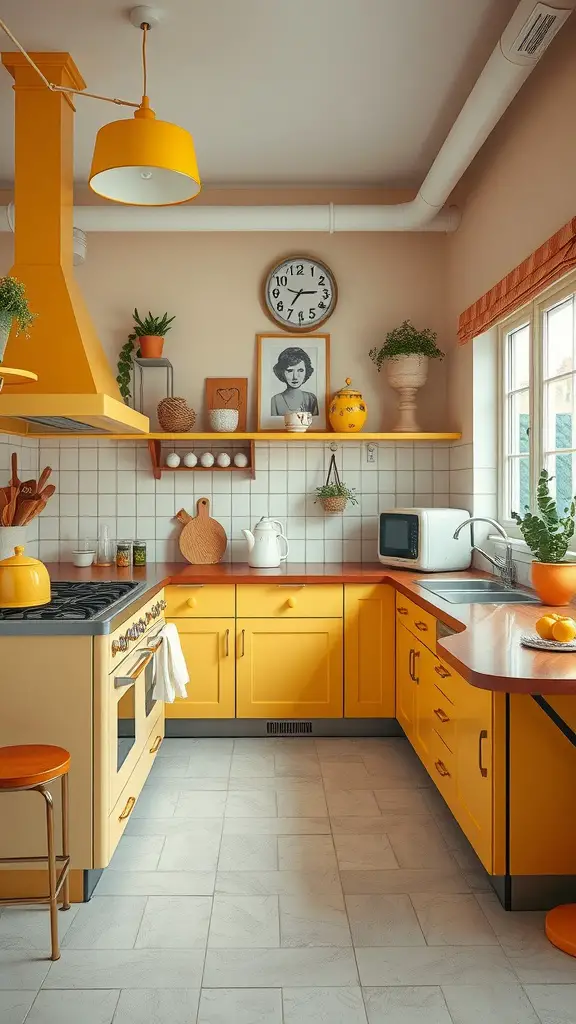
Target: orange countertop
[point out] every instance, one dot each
(485, 647)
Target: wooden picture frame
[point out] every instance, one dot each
(229, 393)
(271, 401)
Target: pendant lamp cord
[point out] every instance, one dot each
(145, 26)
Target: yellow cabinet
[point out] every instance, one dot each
(369, 651)
(289, 669)
(473, 768)
(209, 647)
(405, 681)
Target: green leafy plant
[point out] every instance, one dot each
(336, 491)
(154, 325)
(406, 340)
(14, 305)
(547, 534)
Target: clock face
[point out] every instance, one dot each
(300, 293)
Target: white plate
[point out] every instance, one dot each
(533, 640)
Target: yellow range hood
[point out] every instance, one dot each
(76, 390)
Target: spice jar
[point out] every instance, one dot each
(139, 552)
(123, 554)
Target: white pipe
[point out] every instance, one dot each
(502, 77)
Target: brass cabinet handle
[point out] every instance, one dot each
(441, 768)
(483, 735)
(243, 651)
(227, 642)
(441, 671)
(128, 809)
(411, 664)
(191, 602)
(156, 744)
(441, 715)
(415, 677)
(291, 586)
(421, 626)
(291, 602)
(402, 611)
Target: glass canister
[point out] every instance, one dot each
(347, 411)
(123, 552)
(139, 552)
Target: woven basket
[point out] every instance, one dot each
(334, 506)
(175, 415)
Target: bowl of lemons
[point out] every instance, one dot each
(553, 633)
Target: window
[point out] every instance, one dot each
(538, 391)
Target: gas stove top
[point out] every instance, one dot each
(75, 602)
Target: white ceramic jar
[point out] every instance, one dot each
(223, 421)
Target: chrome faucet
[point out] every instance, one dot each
(504, 565)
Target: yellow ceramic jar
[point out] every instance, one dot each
(347, 412)
(24, 581)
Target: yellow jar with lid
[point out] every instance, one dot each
(347, 411)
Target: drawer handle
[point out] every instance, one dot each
(128, 809)
(243, 650)
(227, 642)
(291, 586)
(441, 768)
(292, 602)
(191, 602)
(156, 744)
(483, 735)
(415, 677)
(421, 626)
(411, 664)
(441, 671)
(402, 611)
(441, 715)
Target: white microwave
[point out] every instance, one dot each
(423, 539)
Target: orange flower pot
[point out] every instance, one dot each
(151, 346)
(554, 582)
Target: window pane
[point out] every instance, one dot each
(559, 414)
(519, 484)
(562, 469)
(518, 439)
(559, 339)
(519, 358)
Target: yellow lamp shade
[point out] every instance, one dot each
(144, 162)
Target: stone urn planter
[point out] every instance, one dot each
(406, 374)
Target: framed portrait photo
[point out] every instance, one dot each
(293, 376)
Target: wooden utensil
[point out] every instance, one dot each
(33, 508)
(43, 479)
(203, 540)
(14, 481)
(47, 493)
(28, 488)
(25, 507)
(9, 510)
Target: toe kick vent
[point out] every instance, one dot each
(288, 728)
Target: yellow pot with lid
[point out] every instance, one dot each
(347, 411)
(24, 581)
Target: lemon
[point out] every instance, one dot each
(564, 630)
(545, 625)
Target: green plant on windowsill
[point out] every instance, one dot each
(406, 340)
(547, 534)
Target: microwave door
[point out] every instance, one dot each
(399, 535)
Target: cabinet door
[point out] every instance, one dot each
(208, 646)
(289, 669)
(369, 647)
(405, 682)
(473, 770)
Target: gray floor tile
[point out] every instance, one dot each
(181, 746)
(407, 1005)
(156, 803)
(244, 921)
(323, 1006)
(170, 767)
(209, 804)
(252, 766)
(14, 1006)
(407, 880)
(259, 968)
(188, 784)
(173, 826)
(419, 846)
(21, 970)
(71, 1007)
(346, 776)
(383, 921)
(317, 920)
(434, 965)
(248, 853)
(175, 922)
(137, 853)
(476, 1004)
(376, 824)
(555, 1004)
(106, 922)
(191, 852)
(544, 967)
(157, 1006)
(406, 801)
(517, 931)
(288, 765)
(156, 883)
(364, 852)
(28, 928)
(251, 804)
(133, 968)
(351, 802)
(306, 853)
(452, 919)
(276, 826)
(240, 1006)
(206, 766)
(276, 883)
(305, 802)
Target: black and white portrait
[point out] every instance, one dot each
(292, 377)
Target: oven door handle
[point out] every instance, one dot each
(147, 654)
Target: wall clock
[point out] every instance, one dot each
(300, 293)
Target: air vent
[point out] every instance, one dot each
(288, 728)
(538, 31)
(63, 423)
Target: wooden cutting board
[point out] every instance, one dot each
(203, 540)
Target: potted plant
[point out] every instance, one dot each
(151, 331)
(406, 352)
(548, 536)
(335, 496)
(13, 307)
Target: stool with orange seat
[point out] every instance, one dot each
(34, 767)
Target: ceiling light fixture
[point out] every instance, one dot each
(139, 161)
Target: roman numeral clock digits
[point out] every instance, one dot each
(299, 293)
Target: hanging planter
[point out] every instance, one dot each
(334, 495)
(13, 308)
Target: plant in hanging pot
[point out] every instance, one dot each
(406, 352)
(334, 495)
(151, 331)
(13, 308)
(548, 536)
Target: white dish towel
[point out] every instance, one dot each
(171, 675)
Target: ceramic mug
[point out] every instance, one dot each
(297, 421)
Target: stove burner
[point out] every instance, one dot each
(73, 601)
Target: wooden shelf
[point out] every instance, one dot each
(8, 376)
(155, 450)
(283, 436)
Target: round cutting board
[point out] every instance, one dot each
(203, 540)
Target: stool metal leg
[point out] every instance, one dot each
(55, 954)
(65, 842)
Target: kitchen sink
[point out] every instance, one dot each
(476, 592)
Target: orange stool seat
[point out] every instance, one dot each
(22, 767)
(561, 927)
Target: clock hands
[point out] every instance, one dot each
(296, 295)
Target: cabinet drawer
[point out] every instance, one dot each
(290, 601)
(421, 623)
(442, 717)
(127, 800)
(442, 768)
(200, 601)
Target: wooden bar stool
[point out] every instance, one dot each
(35, 767)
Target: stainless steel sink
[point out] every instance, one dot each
(476, 592)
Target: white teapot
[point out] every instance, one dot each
(265, 544)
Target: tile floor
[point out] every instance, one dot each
(287, 881)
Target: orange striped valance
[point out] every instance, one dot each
(548, 263)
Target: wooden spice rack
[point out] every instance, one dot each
(155, 450)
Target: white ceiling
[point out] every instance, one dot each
(275, 91)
